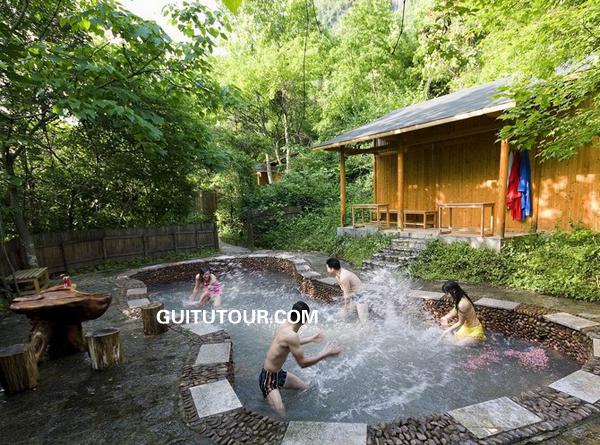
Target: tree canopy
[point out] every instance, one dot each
(107, 121)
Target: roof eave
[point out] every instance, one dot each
(337, 146)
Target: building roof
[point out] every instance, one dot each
(452, 107)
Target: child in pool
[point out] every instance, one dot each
(208, 287)
(467, 330)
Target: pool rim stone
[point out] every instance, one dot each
(479, 419)
(248, 426)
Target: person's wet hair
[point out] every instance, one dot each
(457, 293)
(302, 310)
(334, 263)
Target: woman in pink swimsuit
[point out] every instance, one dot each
(208, 287)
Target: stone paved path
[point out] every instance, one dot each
(139, 403)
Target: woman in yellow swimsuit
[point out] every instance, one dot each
(469, 329)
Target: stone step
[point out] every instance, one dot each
(382, 256)
(376, 264)
(400, 251)
(403, 243)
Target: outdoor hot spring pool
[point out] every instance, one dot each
(389, 368)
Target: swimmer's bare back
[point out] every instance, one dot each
(279, 349)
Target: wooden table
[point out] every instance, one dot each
(56, 315)
(37, 277)
(377, 208)
(428, 217)
(467, 205)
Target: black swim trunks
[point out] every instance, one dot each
(268, 381)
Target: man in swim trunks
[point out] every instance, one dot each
(286, 340)
(351, 287)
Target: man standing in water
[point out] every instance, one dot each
(286, 340)
(351, 287)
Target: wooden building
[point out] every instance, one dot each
(445, 151)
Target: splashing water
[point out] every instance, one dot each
(392, 366)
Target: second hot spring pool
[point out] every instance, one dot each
(389, 368)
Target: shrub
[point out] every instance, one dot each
(557, 263)
(461, 262)
(316, 231)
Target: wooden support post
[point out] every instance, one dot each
(342, 188)
(400, 188)
(375, 161)
(104, 347)
(150, 319)
(501, 198)
(535, 189)
(18, 368)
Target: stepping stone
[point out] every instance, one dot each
(497, 304)
(494, 417)
(214, 398)
(284, 256)
(328, 280)
(302, 267)
(222, 258)
(596, 342)
(310, 274)
(213, 353)
(299, 261)
(581, 384)
(589, 316)
(201, 329)
(310, 433)
(138, 302)
(425, 295)
(571, 321)
(137, 291)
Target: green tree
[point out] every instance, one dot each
(92, 67)
(550, 50)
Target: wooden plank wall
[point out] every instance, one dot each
(570, 190)
(466, 170)
(72, 250)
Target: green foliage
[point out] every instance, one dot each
(316, 232)
(548, 48)
(564, 264)
(103, 118)
(558, 263)
(461, 262)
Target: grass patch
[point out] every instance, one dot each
(557, 263)
(316, 231)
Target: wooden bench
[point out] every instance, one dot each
(427, 218)
(377, 208)
(38, 278)
(467, 205)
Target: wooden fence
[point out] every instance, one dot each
(64, 251)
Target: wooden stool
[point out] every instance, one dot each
(104, 348)
(150, 319)
(18, 368)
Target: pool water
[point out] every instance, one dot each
(390, 367)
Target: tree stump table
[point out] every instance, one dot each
(104, 347)
(56, 315)
(150, 319)
(18, 368)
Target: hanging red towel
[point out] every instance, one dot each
(513, 196)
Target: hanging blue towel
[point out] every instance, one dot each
(525, 185)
